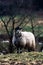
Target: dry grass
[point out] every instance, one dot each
(25, 58)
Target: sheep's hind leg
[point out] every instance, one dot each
(29, 50)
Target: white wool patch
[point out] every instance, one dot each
(26, 37)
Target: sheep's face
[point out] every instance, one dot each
(18, 33)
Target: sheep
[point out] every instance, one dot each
(24, 39)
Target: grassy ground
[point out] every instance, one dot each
(26, 58)
(23, 56)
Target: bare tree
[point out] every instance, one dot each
(18, 23)
(10, 33)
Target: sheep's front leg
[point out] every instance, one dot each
(19, 50)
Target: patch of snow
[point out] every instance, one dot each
(5, 41)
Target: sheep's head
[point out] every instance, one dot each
(18, 33)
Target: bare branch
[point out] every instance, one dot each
(13, 22)
(5, 27)
(8, 21)
(39, 34)
(21, 22)
(36, 24)
(26, 23)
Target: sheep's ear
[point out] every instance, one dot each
(18, 28)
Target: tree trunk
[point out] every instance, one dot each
(11, 50)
